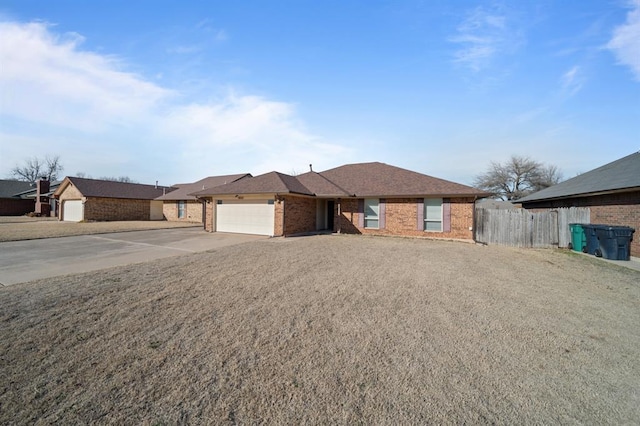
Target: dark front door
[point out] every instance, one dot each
(330, 212)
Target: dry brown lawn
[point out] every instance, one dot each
(328, 330)
(28, 228)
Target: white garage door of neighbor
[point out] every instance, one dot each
(156, 210)
(72, 211)
(245, 217)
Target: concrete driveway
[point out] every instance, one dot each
(22, 261)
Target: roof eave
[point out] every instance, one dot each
(582, 194)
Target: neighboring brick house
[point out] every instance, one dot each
(179, 205)
(612, 193)
(366, 198)
(83, 199)
(12, 203)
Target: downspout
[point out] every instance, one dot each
(473, 216)
(283, 213)
(339, 216)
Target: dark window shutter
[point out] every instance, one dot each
(382, 213)
(446, 215)
(421, 215)
(361, 213)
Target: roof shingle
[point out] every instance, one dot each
(185, 189)
(111, 189)
(268, 183)
(12, 188)
(351, 180)
(380, 179)
(617, 175)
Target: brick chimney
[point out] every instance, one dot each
(42, 201)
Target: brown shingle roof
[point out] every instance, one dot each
(320, 185)
(110, 189)
(351, 180)
(185, 189)
(268, 183)
(379, 179)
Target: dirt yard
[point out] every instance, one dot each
(15, 228)
(328, 330)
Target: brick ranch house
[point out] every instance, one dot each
(612, 193)
(366, 198)
(83, 199)
(180, 206)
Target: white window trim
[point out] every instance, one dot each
(426, 219)
(376, 217)
(184, 209)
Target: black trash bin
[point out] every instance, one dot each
(614, 242)
(591, 244)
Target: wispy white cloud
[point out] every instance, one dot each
(184, 50)
(483, 35)
(206, 25)
(220, 36)
(55, 94)
(625, 43)
(572, 80)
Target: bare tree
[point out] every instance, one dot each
(517, 177)
(125, 179)
(36, 168)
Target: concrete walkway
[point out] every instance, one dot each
(634, 263)
(22, 261)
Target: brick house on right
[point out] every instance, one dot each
(612, 192)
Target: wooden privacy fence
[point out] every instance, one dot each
(524, 228)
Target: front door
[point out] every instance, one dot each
(330, 212)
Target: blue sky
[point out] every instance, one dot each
(176, 91)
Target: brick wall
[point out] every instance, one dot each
(278, 220)
(96, 208)
(70, 193)
(16, 206)
(193, 211)
(299, 215)
(621, 209)
(208, 215)
(402, 219)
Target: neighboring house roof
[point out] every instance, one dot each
(495, 204)
(619, 175)
(185, 189)
(32, 192)
(352, 180)
(13, 188)
(380, 179)
(268, 183)
(111, 189)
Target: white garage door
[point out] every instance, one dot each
(245, 217)
(72, 210)
(156, 210)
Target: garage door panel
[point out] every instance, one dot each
(246, 217)
(72, 211)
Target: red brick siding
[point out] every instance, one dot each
(402, 219)
(278, 222)
(299, 215)
(16, 206)
(612, 209)
(107, 209)
(208, 219)
(193, 211)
